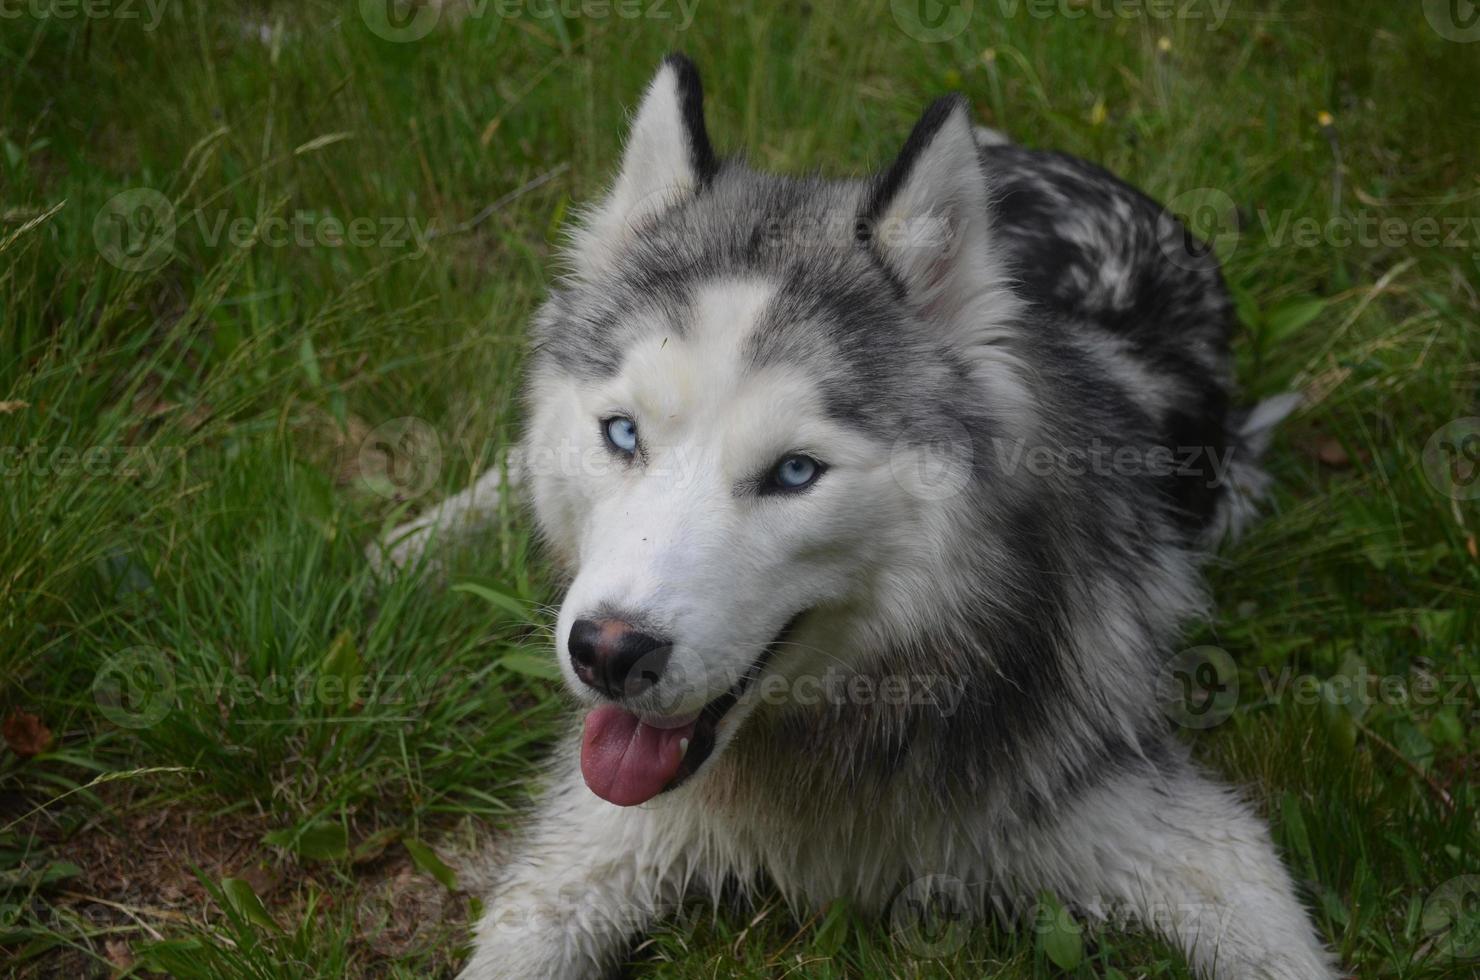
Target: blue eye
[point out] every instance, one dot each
(621, 434)
(796, 472)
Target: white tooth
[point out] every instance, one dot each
(683, 747)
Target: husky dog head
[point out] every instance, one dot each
(746, 436)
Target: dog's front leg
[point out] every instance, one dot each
(582, 880)
(1187, 858)
(457, 516)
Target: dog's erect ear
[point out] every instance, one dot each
(668, 158)
(927, 214)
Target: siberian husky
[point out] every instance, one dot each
(881, 502)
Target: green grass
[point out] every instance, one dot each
(178, 587)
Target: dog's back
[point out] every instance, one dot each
(1118, 275)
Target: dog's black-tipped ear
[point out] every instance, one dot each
(927, 214)
(668, 157)
(685, 79)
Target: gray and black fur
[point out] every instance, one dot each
(1107, 323)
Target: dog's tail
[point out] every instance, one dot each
(1246, 482)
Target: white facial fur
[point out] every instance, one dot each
(669, 538)
(679, 536)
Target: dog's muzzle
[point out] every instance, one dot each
(628, 761)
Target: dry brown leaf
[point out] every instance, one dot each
(119, 953)
(1330, 451)
(264, 880)
(26, 734)
(6, 408)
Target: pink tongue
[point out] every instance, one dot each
(625, 760)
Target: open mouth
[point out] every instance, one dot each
(628, 761)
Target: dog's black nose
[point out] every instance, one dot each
(616, 659)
